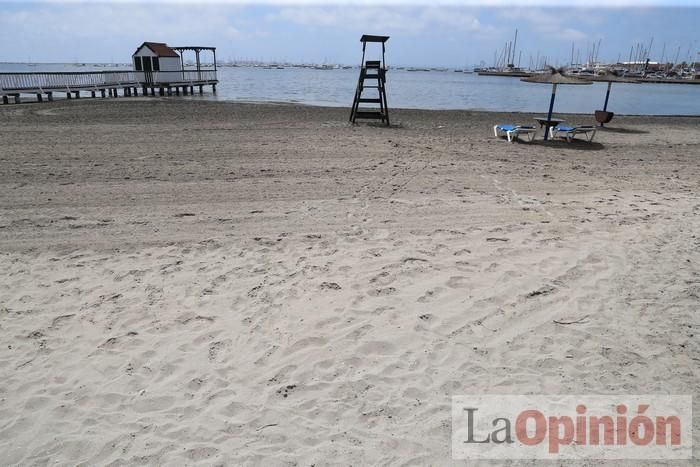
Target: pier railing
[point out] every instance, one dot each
(187, 76)
(86, 80)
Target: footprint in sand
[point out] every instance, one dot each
(360, 332)
(306, 343)
(457, 282)
(216, 348)
(383, 278)
(376, 348)
(429, 295)
(382, 292)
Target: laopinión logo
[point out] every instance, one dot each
(572, 427)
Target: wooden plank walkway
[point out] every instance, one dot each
(105, 82)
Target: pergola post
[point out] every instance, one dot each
(201, 79)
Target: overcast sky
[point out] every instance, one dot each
(450, 33)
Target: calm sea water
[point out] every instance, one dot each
(433, 90)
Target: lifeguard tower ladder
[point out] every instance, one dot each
(373, 71)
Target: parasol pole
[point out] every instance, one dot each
(607, 96)
(549, 114)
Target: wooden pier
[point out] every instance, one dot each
(103, 83)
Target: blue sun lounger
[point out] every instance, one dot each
(570, 132)
(512, 131)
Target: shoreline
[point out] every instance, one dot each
(214, 100)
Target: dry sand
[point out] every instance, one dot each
(235, 284)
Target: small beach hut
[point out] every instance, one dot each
(156, 56)
(555, 77)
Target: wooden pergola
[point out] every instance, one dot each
(197, 50)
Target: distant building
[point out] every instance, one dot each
(156, 56)
(649, 65)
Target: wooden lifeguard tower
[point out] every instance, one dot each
(373, 71)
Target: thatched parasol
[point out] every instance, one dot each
(555, 77)
(610, 77)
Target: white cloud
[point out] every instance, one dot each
(104, 20)
(549, 24)
(457, 19)
(407, 19)
(98, 31)
(348, 17)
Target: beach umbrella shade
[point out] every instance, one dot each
(610, 77)
(555, 77)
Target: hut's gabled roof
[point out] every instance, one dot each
(159, 48)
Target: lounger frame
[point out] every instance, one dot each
(570, 135)
(513, 134)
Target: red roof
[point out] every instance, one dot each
(160, 49)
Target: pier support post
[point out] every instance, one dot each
(177, 91)
(213, 88)
(116, 93)
(201, 89)
(39, 97)
(161, 91)
(17, 99)
(77, 94)
(136, 92)
(184, 90)
(92, 94)
(145, 91)
(104, 94)
(68, 95)
(153, 91)
(191, 89)
(49, 96)
(170, 91)
(5, 100)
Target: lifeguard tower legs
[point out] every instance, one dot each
(374, 72)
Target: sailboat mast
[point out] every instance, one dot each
(572, 54)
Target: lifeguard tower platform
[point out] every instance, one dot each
(373, 78)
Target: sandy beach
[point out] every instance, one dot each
(209, 283)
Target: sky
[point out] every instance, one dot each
(450, 33)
